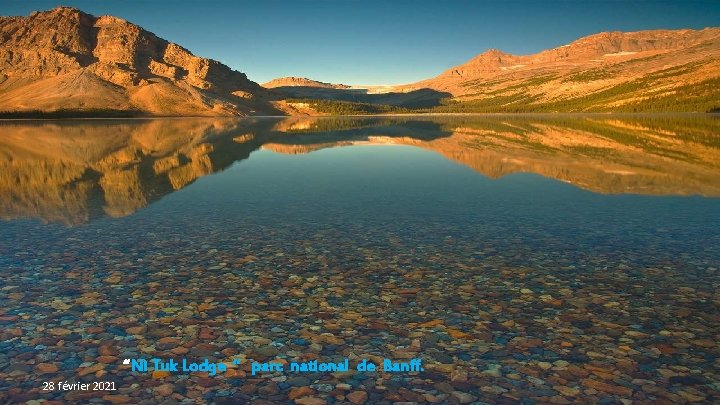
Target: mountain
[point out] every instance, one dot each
(657, 70)
(644, 71)
(67, 59)
(302, 96)
(301, 82)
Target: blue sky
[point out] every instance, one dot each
(379, 42)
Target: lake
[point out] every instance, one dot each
(536, 258)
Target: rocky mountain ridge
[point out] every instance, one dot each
(292, 81)
(604, 47)
(67, 59)
(655, 70)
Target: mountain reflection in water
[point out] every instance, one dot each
(72, 172)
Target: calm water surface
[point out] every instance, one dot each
(522, 258)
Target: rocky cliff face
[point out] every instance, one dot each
(67, 59)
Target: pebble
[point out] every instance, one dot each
(357, 397)
(46, 368)
(164, 390)
(463, 397)
(300, 392)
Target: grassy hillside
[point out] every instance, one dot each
(631, 96)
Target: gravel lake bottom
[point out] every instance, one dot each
(517, 266)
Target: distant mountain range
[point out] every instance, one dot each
(302, 82)
(659, 70)
(67, 61)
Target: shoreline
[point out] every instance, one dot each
(501, 114)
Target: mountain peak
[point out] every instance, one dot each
(292, 81)
(65, 9)
(60, 11)
(495, 52)
(492, 59)
(492, 54)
